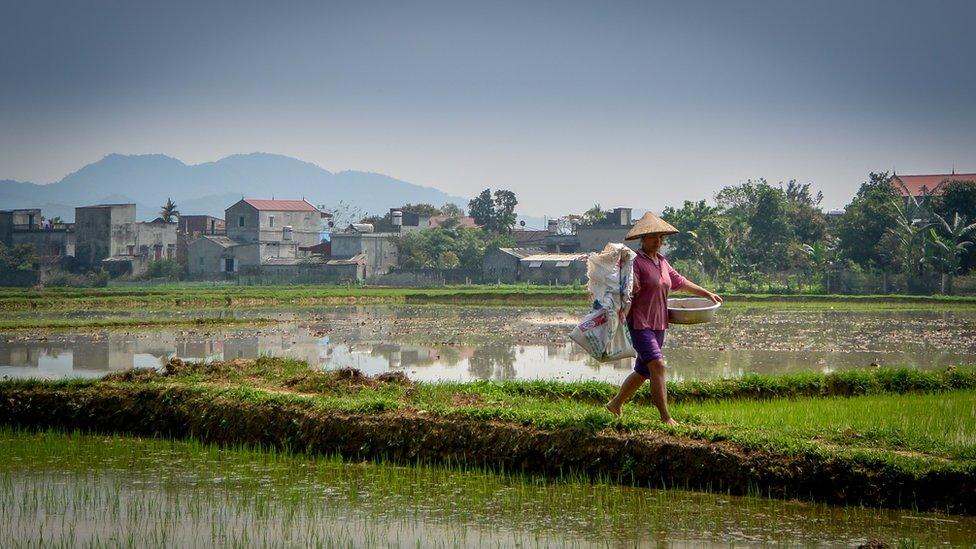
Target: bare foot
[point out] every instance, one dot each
(615, 410)
(670, 421)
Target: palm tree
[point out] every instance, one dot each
(951, 246)
(169, 211)
(913, 221)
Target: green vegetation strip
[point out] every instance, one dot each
(248, 296)
(896, 438)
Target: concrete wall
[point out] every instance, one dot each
(204, 257)
(499, 266)
(156, 239)
(380, 249)
(242, 222)
(104, 231)
(549, 273)
(595, 237)
(266, 225)
(51, 242)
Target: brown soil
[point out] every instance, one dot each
(643, 459)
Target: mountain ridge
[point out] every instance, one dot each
(149, 179)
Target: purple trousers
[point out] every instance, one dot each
(648, 345)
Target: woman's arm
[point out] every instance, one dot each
(693, 288)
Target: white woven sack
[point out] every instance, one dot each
(601, 333)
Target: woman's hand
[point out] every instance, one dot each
(714, 297)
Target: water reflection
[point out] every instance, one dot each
(461, 343)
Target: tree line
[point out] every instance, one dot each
(759, 227)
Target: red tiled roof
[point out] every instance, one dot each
(915, 183)
(466, 221)
(281, 205)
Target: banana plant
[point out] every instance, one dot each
(952, 244)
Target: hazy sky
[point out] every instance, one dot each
(566, 103)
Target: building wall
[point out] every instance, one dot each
(156, 239)
(306, 226)
(549, 273)
(595, 238)
(241, 221)
(19, 219)
(266, 225)
(103, 231)
(499, 266)
(380, 249)
(47, 242)
(204, 257)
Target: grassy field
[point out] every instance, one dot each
(922, 418)
(19, 299)
(836, 436)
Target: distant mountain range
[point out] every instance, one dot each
(209, 188)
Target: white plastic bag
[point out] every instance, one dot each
(611, 283)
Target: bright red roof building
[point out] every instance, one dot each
(919, 185)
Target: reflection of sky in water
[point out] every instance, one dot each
(738, 344)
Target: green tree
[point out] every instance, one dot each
(864, 228)
(805, 216)
(704, 238)
(496, 213)
(482, 209)
(424, 209)
(912, 222)
(169, 211)
(452, 210)
(593, 216)
(770, 232)
(17, 258)
(505, 217)
(959, 197)
(951, 242)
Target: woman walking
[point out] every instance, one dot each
(654, 279)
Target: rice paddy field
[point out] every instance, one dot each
(337, 417)
(66, 489)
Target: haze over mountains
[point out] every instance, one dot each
(208, 188)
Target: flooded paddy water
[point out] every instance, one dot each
(70, 490)
(467, 343)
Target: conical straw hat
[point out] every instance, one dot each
(650, 224)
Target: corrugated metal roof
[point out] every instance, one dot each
(522, 252)
(556, 257)
(281, 205)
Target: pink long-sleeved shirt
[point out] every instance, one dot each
(652, 283)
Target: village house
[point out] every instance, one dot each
(554, 268)
(51, 241)
(107, 235)
(191, 227)
(503, 265)
(272, 238)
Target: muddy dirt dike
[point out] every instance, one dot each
(643, 459)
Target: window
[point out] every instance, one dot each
(535, 264)
(271, 221)
(562, 263)
(201, 260)
(240, 221)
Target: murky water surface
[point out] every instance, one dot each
(462, 343)
(73, 490)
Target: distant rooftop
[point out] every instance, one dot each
(281, 205)
(918, 185)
